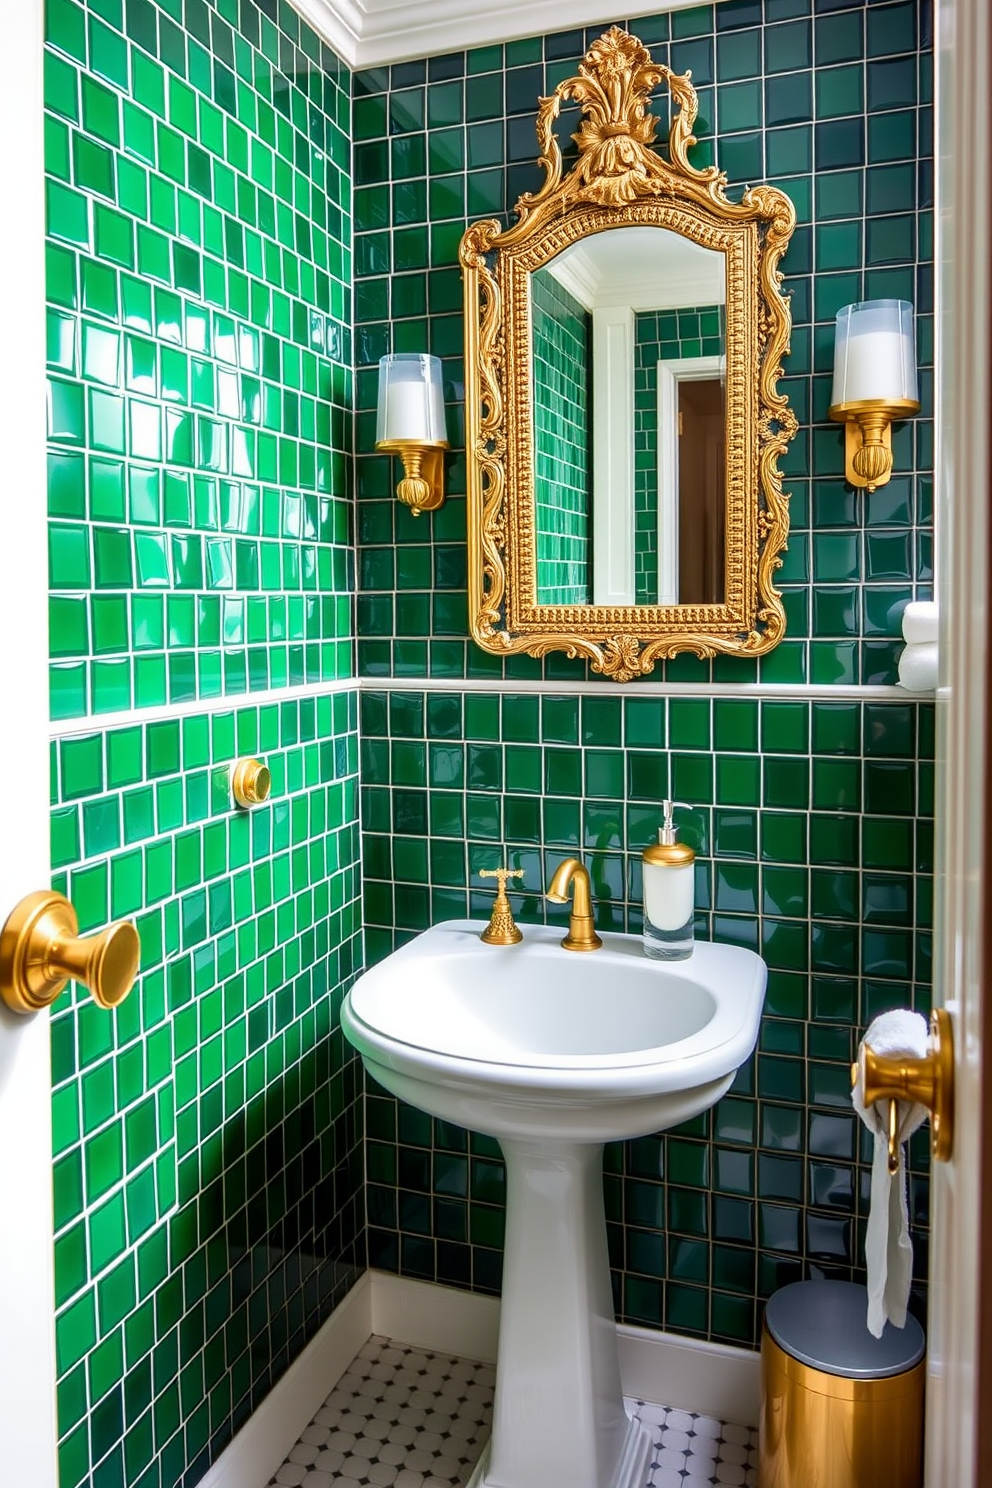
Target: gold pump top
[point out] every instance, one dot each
(668, 852)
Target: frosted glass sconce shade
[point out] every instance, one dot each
(410, 423)
(411, 399)
(875, 353)
(874, 384)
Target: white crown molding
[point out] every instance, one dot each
(339, 24)
(640, 272)
(382, 31)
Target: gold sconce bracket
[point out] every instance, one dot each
(502, 928)
(926, 1082)
(41, 950)
(251, 782)
(422, 486)
(868, 438)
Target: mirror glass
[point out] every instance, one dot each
(629, 356)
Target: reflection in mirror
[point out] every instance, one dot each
(562, 362)
(628, 331)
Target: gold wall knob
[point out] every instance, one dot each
(41, 950)
(927, 1082)
(251, 782)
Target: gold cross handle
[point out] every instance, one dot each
(501, 930)
(502, 874)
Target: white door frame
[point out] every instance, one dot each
(962, 486)
(614, 346)
(671, 372)
(27, 1336)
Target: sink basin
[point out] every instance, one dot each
(554, 1052)
(530, 1040)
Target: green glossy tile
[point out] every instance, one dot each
(738, 780)
(836, 784)
(889, 787)
(788, 99)
(784, 727)
(891, 83)
(891, 136)
(836, 728)
(740, 106)
(833, 840)
(839, 91)
(689, 724)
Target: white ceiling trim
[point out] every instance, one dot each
(370, 33)
(641, 268)
(340, 25)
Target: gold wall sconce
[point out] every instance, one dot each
(250, 782)
(410, 423)
(874, 385)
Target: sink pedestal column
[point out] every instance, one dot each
(559, 1420)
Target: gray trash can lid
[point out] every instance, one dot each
(824, 1324)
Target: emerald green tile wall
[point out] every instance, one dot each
(208, 1162)
(208, 1167)
(812, 822)
(830, 101)
(671, 335)
(562, 331)
(199, 269)
(210, 1198)
(812, 818)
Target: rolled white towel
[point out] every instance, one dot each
(919, 622)
(888, 1248)
(918, 667)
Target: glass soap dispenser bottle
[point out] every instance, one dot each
(669, 892)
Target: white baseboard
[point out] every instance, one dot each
(441, 1318)
(709, 1378)
(260, 1447)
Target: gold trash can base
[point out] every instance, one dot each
(823, 1430)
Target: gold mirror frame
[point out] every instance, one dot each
(619, 181)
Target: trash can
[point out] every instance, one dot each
(839, 1408)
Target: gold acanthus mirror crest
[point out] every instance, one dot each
(624, 343)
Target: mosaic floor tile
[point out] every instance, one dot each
(398, 1418)
(401, 1417)
(697, 1451)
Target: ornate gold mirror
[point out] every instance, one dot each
(624, 342)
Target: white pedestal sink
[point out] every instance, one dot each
(554, 1053)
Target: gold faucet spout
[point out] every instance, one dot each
(571, 874)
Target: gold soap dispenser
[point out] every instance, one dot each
(668, 871)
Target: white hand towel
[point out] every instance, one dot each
(919, 622)
(918, 667)
(888, 1248)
